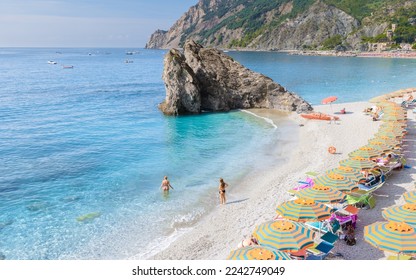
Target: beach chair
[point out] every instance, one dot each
(302, 185)
(362, 201)
(400, 257)
(329, 237)
(319, 251)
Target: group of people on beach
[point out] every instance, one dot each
(166, 186)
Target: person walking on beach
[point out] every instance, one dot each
(221, 189)
(165, 186)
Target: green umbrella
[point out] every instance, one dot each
(358, 162)
(335, 181)
(405, 213)
(321, 194)
(288, 236)
(367, 152)
(352, 173)
(304, 210)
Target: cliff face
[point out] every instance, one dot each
(206, 79)
(280, 24)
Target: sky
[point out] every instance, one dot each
(86, 23)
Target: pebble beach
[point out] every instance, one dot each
(220, 232)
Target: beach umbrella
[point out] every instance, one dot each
(366, 152)
(410, 197)
(352, 173)
(322, 194)
(404, 213)
(359, 163)
(389, 134)
(329, 100)
(393, 124)
(380, 145)
(335, 181)
(257, 253)
(394, 142)
(304, 210)
(391, 236)
(392, 118)
(283, 235)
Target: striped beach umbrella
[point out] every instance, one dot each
(358, 162)
(394, 124)
(322, 194)
(381, 145)
(335, 181)
(304, 210)
(393, 118)
(394, 142)
(405, 213)
(390, 134)
(366, 152)
(353, 174)
(410, 197)
(391, 236)
(257, 253)
(284, 235)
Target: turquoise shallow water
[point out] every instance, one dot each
(83, 150)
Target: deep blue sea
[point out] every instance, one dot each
(83, 150)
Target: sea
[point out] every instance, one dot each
(84, 149)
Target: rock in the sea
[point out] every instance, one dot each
(206, 79)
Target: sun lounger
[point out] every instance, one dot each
(329, 237)
(367, 200)
(319, 251)
(302, 185)
(400, 257)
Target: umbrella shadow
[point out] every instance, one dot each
(237, 201)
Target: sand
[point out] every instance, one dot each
(220, 231)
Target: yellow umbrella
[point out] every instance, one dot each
(410, 197)
(288, 236)
(304, 210)
(257, 253)
(391, 236)
(367, 152)
(322, 194)
(404, 213)
(359, 163)
(353, 174)
(335, 181)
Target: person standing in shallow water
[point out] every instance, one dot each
(221, 189)
(165, 186)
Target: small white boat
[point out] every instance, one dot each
(52, 62)
(68, 66)
(128, 61)
(129, 53)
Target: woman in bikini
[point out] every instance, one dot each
(221, 189)
(165, 186)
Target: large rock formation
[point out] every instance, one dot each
(206, 79)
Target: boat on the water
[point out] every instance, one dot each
(68, 66)
(319, 116)
(52, 62)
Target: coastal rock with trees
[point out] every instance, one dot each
(206, 79)
(293, 25)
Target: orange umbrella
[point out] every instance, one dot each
(329, 100)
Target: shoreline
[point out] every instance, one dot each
(222, 229)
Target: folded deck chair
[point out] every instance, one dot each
(329, 237)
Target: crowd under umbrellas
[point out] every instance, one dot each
(289, 233)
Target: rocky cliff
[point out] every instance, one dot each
(282, 24)
(206, 79)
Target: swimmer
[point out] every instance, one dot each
(165, 186)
